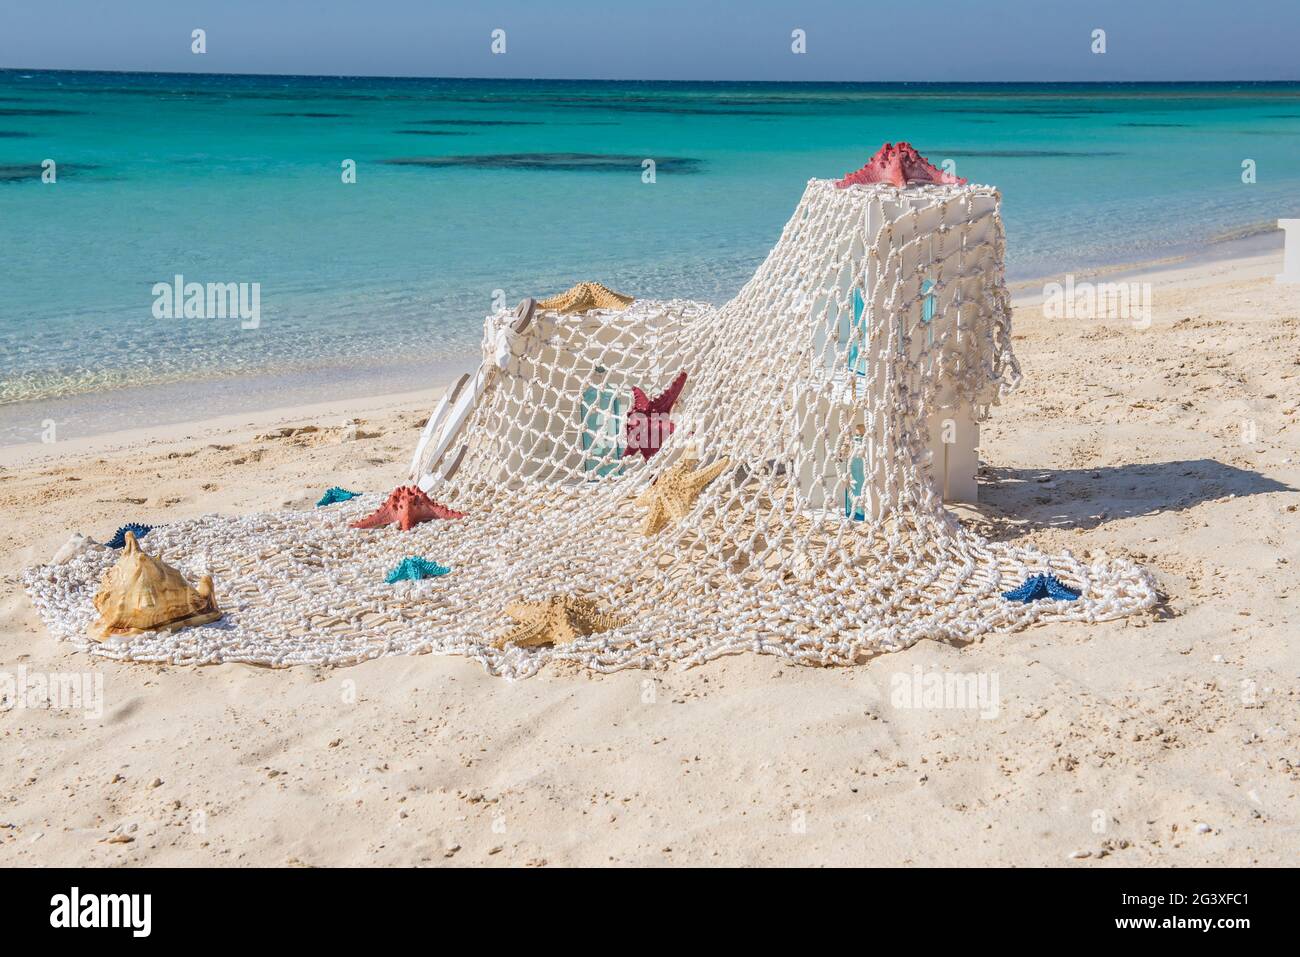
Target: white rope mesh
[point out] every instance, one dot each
(880, 314)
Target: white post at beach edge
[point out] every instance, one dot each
(1290, 250)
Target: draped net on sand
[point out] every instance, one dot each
(824, 539)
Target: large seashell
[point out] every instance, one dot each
(143, 593)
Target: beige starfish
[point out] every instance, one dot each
(584, 297)
(673, 496)
(558, 620)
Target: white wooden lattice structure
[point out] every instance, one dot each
(560, 363)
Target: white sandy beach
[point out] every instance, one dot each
(1169, 739)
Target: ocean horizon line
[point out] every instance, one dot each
(1085, 84)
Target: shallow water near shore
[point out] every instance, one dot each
(468, 190)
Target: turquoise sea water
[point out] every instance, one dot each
(465, 187)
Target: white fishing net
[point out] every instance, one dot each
(842, 386)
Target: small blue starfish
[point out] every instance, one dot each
(415, 568)
(1038, 587)
(336, 494)
(136, 529)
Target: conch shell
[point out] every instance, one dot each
(143, 593)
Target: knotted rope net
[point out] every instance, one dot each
(878, 321)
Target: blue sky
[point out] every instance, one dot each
(871, 40)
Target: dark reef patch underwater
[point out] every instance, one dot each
(27, 111)
(572, 162)
(1027, 154)
(476, 123)
(431, 132)
(23, 172)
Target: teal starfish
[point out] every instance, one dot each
(415, 568)
(336, 494)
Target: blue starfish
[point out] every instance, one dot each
(336, 494)
(1038, 587)
(136, 529)
(415, 568)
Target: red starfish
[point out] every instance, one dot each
(406, 505)
(648, 421)
(899, 165)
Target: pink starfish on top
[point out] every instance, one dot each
(899, 165)
(648, 422)
(407, 506)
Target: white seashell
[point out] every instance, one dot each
(74, 546)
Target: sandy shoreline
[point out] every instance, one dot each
(1166, 740)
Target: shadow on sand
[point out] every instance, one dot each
(1017, 500)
